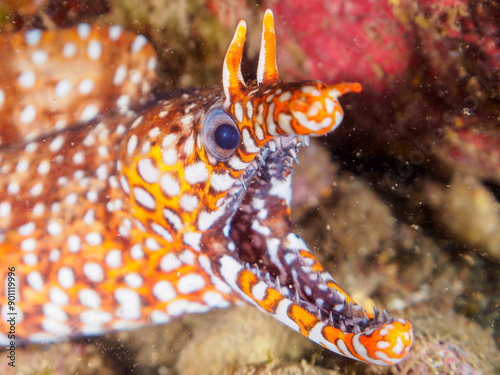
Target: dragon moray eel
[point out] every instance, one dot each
(121, 207)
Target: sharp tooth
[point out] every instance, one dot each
(363, 315)
(297, 297)
(356, 327)
(257, 271)
(342, 324)
(268, 278)
(242, 181)
(320, 278)
(272, 145)
(330, 318)
(357, 309)
(335, 295)
(352, 309)
(386, 315)
(349, 309)
(345, 308)
(279, 144)
(320, 318)
(378, 317)
(278, 284)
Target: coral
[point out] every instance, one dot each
(64, 358)
(190, 42)
(280, 368)
(236, 337)
(472, 150)
(48, 13)
(358, 41)
(436, 62)
(469, 210)
(458, 30)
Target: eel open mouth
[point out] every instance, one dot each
(278, 273)
(265, 262)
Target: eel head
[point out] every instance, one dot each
(225, 193)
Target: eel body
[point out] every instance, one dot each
(122, 207)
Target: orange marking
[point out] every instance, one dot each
(400, 332)
(305, 320)
(247, 280)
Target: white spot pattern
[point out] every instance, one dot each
(39, 57)
(148, 171)
(144, 198)
(190, 283)
(196, 173)
(26, 79)
(169, 186)
(86, 86)
(169, 262)
(114, 259)
(139, 42)
(28, 114)
(188, 202)
(94, 272)
(164, 291)
(94, 49)
(66, 277)
(63, 88)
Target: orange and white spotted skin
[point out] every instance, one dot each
(52, 79)
(146, 207)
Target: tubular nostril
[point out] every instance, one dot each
(340, 89)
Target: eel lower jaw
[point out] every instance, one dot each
(310, 290)
(294, 279)
(346, 330)
(267, 265)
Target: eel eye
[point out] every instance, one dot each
(219, 133)
(226, 136)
